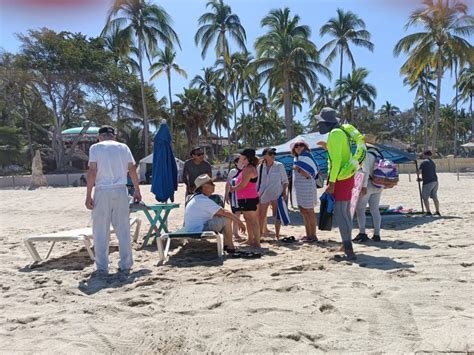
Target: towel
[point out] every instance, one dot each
(234, 202)
(306, 163)
(282, 211)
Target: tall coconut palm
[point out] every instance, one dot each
(347, 28)
(164, 65)
(288, 59)
(217, 25)
(445, 24)
(353, 88)
(466, 88)
(323, 98)
(143, 24)
(423, 84)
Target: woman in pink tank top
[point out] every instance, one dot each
(247, 195)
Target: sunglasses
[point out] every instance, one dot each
(198, 154)
(300, 145)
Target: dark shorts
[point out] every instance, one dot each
(248, 204)
(343, 189)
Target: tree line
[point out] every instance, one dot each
(59, 80)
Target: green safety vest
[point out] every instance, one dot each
(342, 163)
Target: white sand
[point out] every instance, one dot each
(411, 293)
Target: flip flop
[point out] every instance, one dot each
(245, 255)
(289, 239)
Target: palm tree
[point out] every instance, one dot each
(323, 98)
(466, 88)
(353, 88)
(191, 113)
(217, 25)
(346, 28)
(288, 59)
(424, 97)
(389, 110)
(142, 24)
(444, 25)
(164, 65)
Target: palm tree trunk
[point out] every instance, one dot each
(168, 74)
(472, 117)
(142, 89)
(235, 111)
(437, 104)
(340, 79)
(288, 111)
(456, 109)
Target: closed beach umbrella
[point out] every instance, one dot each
(165, 173)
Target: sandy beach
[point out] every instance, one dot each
(412, 292)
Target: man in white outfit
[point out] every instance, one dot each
(370, 194)
(109, 163)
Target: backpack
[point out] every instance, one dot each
(385, 171)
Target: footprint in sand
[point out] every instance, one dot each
(402, 273)
(138, 303)
(326, 308)
(24, 320)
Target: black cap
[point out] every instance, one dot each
(195, 149)
(268, 150)
(249, 153)
(107, 130)
(428, 153)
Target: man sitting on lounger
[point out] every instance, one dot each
(203, 214)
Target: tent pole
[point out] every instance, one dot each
(419, 187)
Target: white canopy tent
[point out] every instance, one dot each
(311, 138)
(149, 160)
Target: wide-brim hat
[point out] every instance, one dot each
(202, 179)
(299, 141)
(328, 115)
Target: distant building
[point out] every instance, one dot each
(81, 154)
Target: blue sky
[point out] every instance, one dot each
(385, 19)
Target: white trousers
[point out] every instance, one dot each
(111, 206)
(373, 199)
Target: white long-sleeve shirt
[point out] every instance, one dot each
(271, 181)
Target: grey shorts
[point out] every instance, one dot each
(216, 224)
(430, 190)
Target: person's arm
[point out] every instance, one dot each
(185, 174)
(284, 181)
(132, 171)
(209, 169)
(91, 176)
(226, 214)
(301, 171)
(245, 180)
(419, 172)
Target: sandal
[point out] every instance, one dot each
(245, 254)
(289, 239)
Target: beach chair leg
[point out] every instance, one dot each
(159, 244)
(49, 251)
(31, 248)
(138, 224)
(87, 244)
(220, 245)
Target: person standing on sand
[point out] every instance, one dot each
(272, 183)
(195, 167)
(342, 166)
(430, 182)
(109, 163)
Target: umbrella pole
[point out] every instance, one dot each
(419, 187)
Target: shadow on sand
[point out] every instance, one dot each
(379, 262)
(96, 282)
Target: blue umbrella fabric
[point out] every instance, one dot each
(165, 172)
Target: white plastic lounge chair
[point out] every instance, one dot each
(83, 235)
(163, 248)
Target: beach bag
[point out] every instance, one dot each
(385, 173)
(326, 212)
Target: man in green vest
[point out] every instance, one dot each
(342, 166)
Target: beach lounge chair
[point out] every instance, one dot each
(164, 240)
(83, 235)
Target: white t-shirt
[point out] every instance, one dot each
(198, 211)
(112, 160)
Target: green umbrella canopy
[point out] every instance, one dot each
(77, 130)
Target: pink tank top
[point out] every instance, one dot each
(249, 191)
